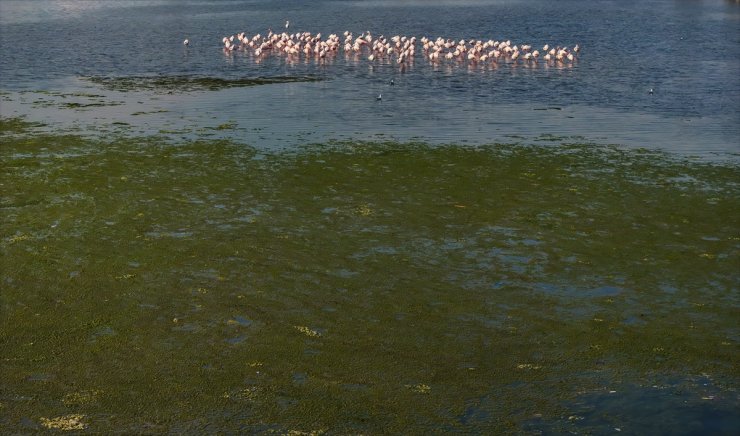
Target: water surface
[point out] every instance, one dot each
(688, 52)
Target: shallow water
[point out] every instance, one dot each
(151, 286)
(186, 248)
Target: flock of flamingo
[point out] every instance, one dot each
(398, 49)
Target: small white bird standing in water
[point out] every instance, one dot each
(186, 42)
(379, 97)
(287, 24)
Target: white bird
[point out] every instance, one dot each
(287, 24)
(651, 91)
(186, 42)
(379, 97)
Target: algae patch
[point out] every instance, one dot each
(65, 423)
(17, 125)
(78, 105)
(68, 100)
(151, 285)
(170, 84)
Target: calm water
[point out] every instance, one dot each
(464, 256)
(687, 51)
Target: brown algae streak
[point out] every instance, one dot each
(149, 286)
(169, 84)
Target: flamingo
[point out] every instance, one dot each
(399, 48)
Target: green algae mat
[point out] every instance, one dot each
(364, 288)
(185, 83)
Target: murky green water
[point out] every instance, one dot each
(154, 286)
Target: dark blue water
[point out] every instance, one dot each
(687, 51)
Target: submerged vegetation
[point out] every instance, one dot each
(164, 84)
(152, 286)
(64, 100)
(16, 125)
